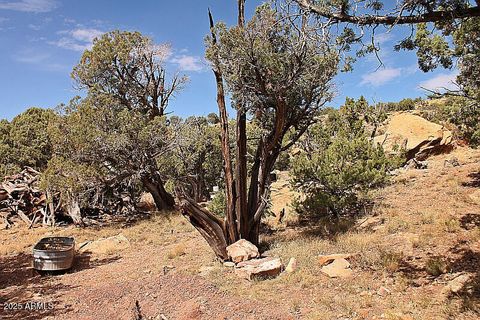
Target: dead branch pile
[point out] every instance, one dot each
(20, 197)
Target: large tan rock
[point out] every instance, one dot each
(259, 269)
(339, 268)
(419, 136)
(242, 250)
(105, 246)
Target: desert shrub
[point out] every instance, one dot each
(391, 261)
(339, 164)
(436, 266)
(283, 161)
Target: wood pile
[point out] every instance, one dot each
(21, 200)
(20, 197)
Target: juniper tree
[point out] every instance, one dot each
(339, 163)
(24, 141)
(277, 70)
(127, 71)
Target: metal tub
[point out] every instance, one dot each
(54, 253)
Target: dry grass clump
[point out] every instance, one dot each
(177, 251)
(436, 266)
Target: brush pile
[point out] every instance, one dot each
(20, 197)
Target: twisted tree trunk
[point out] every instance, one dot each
(243, 210)
(154, 184)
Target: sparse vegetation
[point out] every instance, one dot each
(320, 221)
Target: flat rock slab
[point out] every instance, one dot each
(339, 268)
(259, 269)
(242, 250)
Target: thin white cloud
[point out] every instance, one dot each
(78, 39)
(381, 76)
(188, 63)
(36, 6)
(41, 60)
(34, 27)
(31, 57)
(384, 37)
(440, 82)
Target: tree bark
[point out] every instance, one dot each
(209, 226)
(241, 211)
(230, 218)
(433, 16)
(154, 184)
(73, 210)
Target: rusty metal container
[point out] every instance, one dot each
(54, 253)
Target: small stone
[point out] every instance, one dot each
(229, 264)
(365, 293)
(242, 250)
(339, 268)
(382, 292)
(451, 162)
(370, 223)
(292, 265)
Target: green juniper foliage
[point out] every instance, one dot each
(25, 142)
(339, 163)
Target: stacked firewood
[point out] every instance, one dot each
(21, 198)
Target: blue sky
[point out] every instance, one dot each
(41, 40)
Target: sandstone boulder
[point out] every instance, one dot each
(339, 268)
(258, 269)
(418, 136)
(146, 202)
(242, 250)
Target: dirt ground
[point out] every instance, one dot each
(424, 232)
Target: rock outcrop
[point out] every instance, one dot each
(418, 136)
(336, 265)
